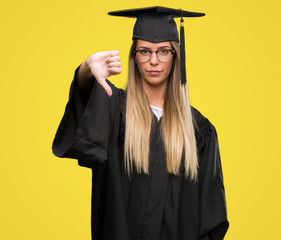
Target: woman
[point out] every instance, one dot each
(155, 159)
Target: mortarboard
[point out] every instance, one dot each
(156, 24)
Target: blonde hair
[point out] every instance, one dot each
(177, 126)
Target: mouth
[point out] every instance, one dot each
(154, 72)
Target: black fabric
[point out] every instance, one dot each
(155, 28)
(155, 24)
(182, 53)
(158, 206)
(135, 12)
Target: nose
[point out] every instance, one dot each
(154, 59)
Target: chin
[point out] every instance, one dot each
(155, 81)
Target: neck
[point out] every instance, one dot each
(155, 93)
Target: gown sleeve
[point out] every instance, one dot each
(213, 214)
(89, 127)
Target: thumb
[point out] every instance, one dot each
(106, 87)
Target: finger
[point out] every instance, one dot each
(106, 87)
(114, 64)
(113, 59)
(114, 71)
(99, 56)
(114, 53)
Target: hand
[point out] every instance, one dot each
(101, 65)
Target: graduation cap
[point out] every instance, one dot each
(156, 24)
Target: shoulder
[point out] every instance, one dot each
(207, 144)
(202, 125)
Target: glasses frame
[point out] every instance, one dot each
(139, 50)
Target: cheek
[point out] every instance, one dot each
(169, 67)
(141, 68)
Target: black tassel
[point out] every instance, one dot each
(182, 51)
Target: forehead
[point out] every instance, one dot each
(151, 45)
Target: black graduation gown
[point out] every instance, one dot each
(158, 206)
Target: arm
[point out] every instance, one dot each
(213, 218)
(86, 128)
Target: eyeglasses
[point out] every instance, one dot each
(163, 55)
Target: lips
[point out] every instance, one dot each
(154, 72)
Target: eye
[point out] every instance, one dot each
(164, 52)
(144, 52)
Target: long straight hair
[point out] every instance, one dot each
(177, 127)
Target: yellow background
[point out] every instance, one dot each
(233, 58)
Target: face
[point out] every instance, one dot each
(154, 72)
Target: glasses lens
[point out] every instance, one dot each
(164, 55)
(143, 55)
